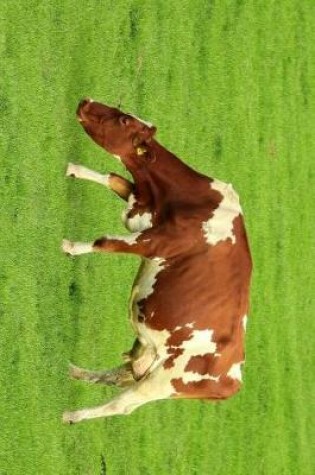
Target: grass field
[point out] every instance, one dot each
(230, 86)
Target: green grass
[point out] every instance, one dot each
(230, 86)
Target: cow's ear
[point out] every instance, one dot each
(149, 133)
(145, 134)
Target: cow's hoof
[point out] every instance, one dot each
(69, 418)
(71, 170)
(67, 247)
(75, 372)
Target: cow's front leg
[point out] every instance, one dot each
(116, 183)
(156, 242)
(105, 244)
(76, 248)
(143, 244)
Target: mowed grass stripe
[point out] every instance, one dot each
(230, 87)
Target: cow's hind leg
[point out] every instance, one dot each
(137, 362)
(116, 183)
(147, 390)
(120, 376)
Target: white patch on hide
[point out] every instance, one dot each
(131, 239)
(235, 371)
(220, 226)
(138, 222)
(191, 377)
(148, 277)
(200, 344)
(142, 289)
(244, 321)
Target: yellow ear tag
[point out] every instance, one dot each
(141, 151)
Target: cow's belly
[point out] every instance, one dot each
(192, 291)
(153, 342)
(144, 288)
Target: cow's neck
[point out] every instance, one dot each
(166, 177)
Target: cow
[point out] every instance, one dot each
(190, 299)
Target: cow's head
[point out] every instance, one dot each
(118, 133)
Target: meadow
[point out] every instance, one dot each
(230, 87)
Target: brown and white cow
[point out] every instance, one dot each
(190, 299)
